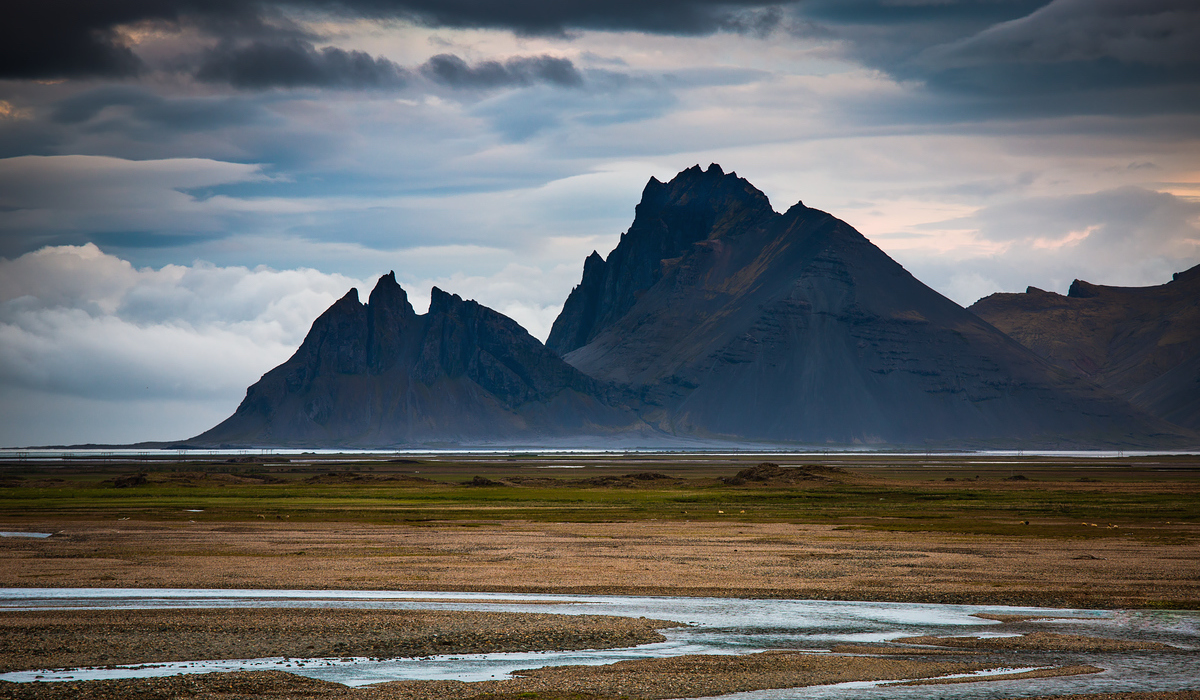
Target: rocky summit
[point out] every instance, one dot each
(715, 318)
(1142, 343)
(730, 320)
(379, 374)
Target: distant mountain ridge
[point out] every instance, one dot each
(715, 318)
(730, 320)
(380, 374)
(1142, 343)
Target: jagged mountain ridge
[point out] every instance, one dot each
(1141, 343)
(380, 374)
(745, 323)
(714, 318)
(667, 223)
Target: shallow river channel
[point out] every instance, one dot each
(716, 626)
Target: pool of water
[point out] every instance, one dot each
(715, 626)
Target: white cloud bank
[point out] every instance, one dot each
(92, 349)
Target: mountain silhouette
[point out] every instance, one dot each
(730, 320)
(379, 374)
(1141, 343)
(715, 318)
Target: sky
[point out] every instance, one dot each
(186, 184)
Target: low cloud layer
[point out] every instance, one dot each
(77, 324)
(75, 199)
(454, 72)
(1128, 236)
(295, 63)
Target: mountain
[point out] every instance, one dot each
(1142, 343)
(715, 318)
(729, 320)
(379, 374)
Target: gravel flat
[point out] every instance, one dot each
(73, 638)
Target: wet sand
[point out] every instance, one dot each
(1039, 641)
(1037, 673)
(683, 676)
(71, 638)
(75, 638)
(655, 679)
(650, 679)
(782, 560)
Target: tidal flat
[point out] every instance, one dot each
(1032, 531)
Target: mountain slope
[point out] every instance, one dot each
(731, 320)
(379, 374)
(1142, 343)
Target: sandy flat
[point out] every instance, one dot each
(1039, 641)
(656, 557)
(75, 638)
(652, 679)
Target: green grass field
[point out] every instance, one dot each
(1150, 498)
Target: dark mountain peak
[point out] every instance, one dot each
(672, 218)
(441, 302)
(379, 374)
(388, 293)
(387, 284)
(390, 317)
(1083, 290)
(1188, 276)
(797, 209)
(727, 319)
(699, 194)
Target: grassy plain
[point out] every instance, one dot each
(947, 494)
(1052, 531)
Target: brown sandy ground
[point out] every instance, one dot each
(878, 650)
(74, 638)
(778, 559)
(650, 679)
(1038, 673)
(1023, 618)
(688, 676)
(1039, 641)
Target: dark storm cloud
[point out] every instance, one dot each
(143, 107)
(296, 63)
(452, 71)
(558, 16)
(80, 38)
(1024, 49)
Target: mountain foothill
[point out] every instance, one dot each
(715, 320)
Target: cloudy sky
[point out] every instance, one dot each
(186, 184)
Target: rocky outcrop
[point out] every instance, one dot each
(379, 374)
(670, 220)
(731, 321)
(1142, 343)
